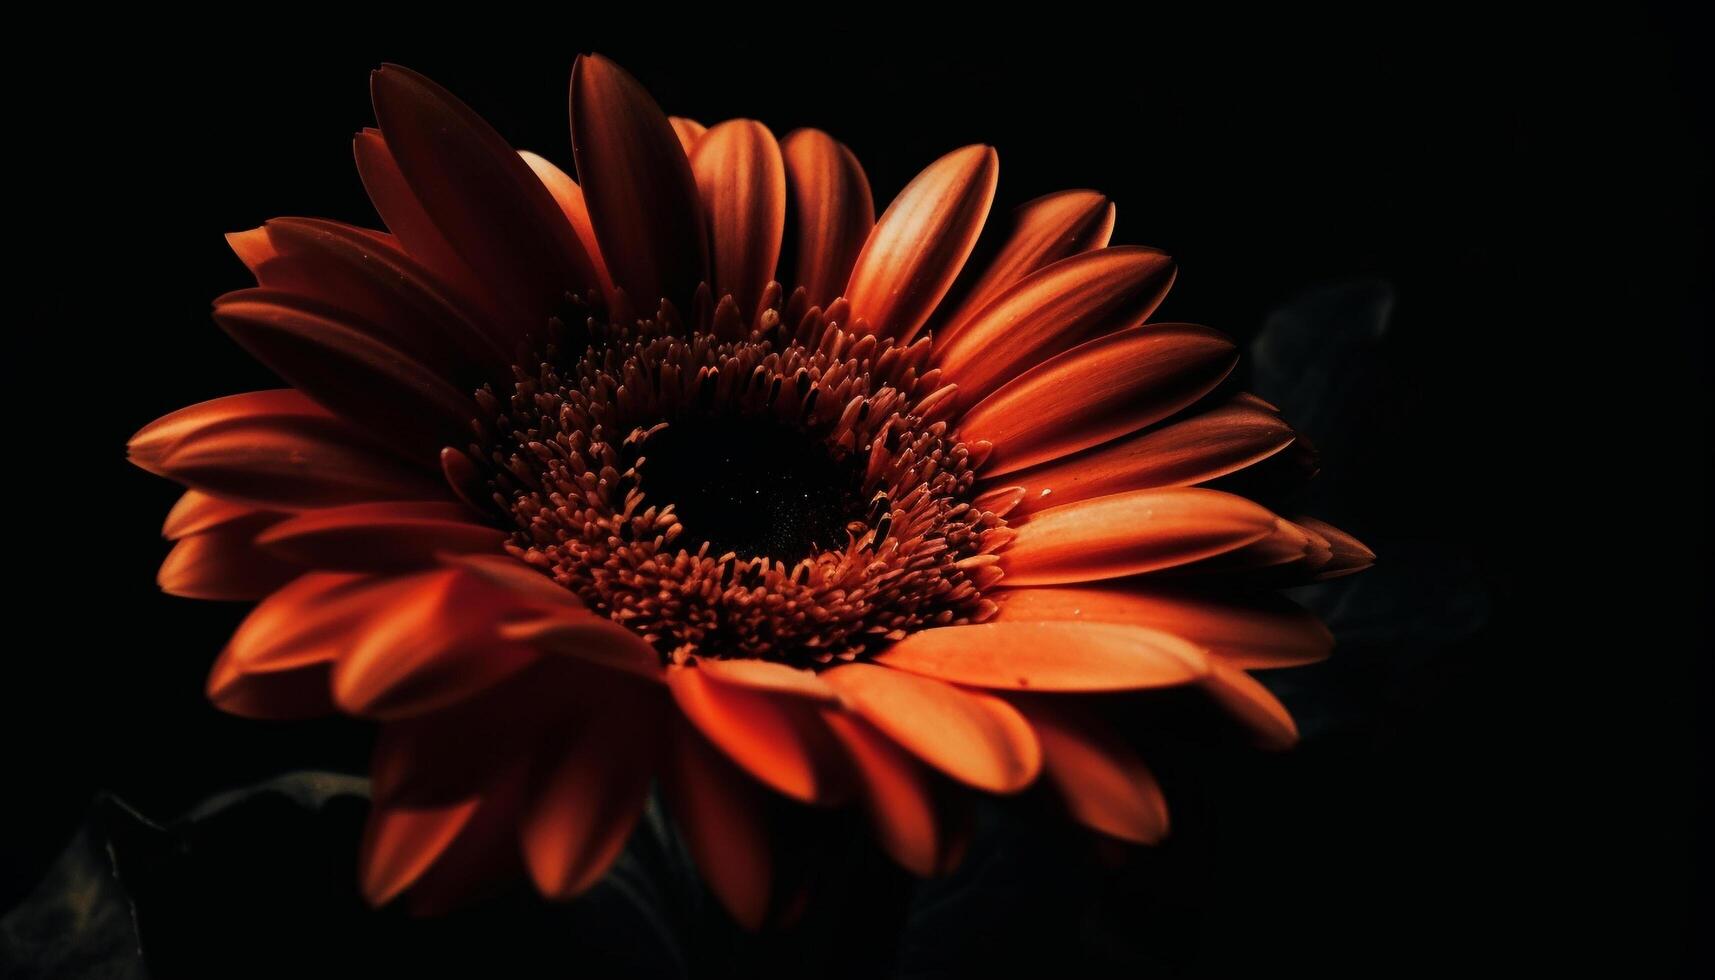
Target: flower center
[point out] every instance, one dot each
(759, 492)
(752, 487)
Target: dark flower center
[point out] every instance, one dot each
(752, 487)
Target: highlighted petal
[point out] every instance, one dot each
(778, 739)
(1245, 631)
(1052, 310)
(770, 677)
(225, 563)
(833, 210)
(637, 183)
(390, 536)
(570, 197)
(197, 512)
(688, 131)
(972, 737)
(901, 796)
(1042, 232)
(1050, 656)
(1103, 782)
(274, 449)
(1124, 381)
(742, 181)
(1251, 703)
(1130, 533)
(921, 242)
(484, 200)
(1195, 450)
(721, 813)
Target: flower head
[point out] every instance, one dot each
(694, 471)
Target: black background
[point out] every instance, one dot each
(1538, 197)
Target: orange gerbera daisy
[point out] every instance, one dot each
(690, 471)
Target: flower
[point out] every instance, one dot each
(693, 472)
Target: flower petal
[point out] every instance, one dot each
(589, 638)
(1130, 533)
(588, 802)
(900, 793)
(225, 563)
(277, 663)
(833, 211)
(1250, 702)
(1105, 785)
(570, 197)
(346, 367)
(274, 449)
(688, 131)
(1349, 554)
(1248, 631)
(972, 737)
(1042, 232)
(401, 843)
(770, 677)
(1124, 381)
(1049, 656)
(1052, 310)
(637, 183)
(492, 210)
(197, 512)
(921, 242)
(721, 813)
(779, 739)
(433, 644)
(1187, 452)
(385, 536)
(742, 181)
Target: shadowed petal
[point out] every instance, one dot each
(1049, 656)
(721, 814)
(1248, 631)
(904, 803)
(1051, 310)
(492, 210)
(401, 843)
(833, 211)
(388, 536)
(197, 512)
(1130, 533)
(1124, 381)
(570, 197)
(1105, 785)
(225, 563)
(637, 183)
(1251, 703)
(742, 181)
(972, 737)
(1190, 451)
(1041, 232)
(1349, 554)
(921, 242)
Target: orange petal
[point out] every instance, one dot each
(833, 208)
(274, 449)
(769, 677)
(780, 740)
(583, 811)
(1349, 554)
(527, 583)
(401, 843)
(637, 183)
(485, 201)
(1251, 703)
(1123, 382)
(972, 737)
(588, 638)
(1105, 785)
(1195, 450)
(1130, 533)
(197, 512)
(404, 216)
(252, 247)
(720, 811)
(570, 197)
(1042, 232)
(921, 242)
(347, 367)
(1049, 656)
(225, 563)
(1245, 631)
(433, 644)
(387, 536)
(277, 663)
(742, 181)
(1051, 310)
(900, 795)
(688, 131)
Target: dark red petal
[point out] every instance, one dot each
(721, 813)
(1103, 782)
(742, 181)
(833, 211)
(570, 197)
(225, 563)
(386, 536)
(904, 800)
(277, 663)
(637, 182)
(492, 210)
